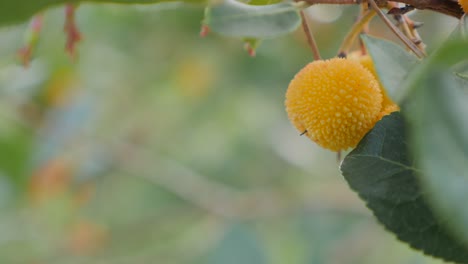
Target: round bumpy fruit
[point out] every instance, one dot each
(334, 102)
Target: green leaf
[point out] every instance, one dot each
(391, 62)
(239, 245)
(235, 19)
(381, 171)
(15, 11)
(439, 121)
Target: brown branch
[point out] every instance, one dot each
(447, 7)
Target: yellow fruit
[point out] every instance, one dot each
(335, 102)
(366, 61)
(464, 5)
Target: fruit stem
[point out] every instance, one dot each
(354, 32)
(310, 37)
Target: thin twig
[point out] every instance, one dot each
(355, 31)
(406, 24)
(397, 32)
(447, 7)
(310, 37)
(416, 37)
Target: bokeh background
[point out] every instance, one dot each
(157, 146)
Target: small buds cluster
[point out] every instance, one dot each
(464, 5)
(337, 101)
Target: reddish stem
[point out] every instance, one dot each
(204, 31)
(25, 53)
(71, 30)
(250, 50)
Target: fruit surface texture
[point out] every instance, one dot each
(334, 102)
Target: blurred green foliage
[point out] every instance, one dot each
(157, 146)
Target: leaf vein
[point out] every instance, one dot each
(389, 161)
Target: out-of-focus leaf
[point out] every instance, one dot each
(236, 19)
(451, 53)
(239, 245)
(439, 118)
(321, 231)
(263, 2)
(13, 11)
(16, 148)
(381, 171)
(391, 62)
(461, 81)
(462, 76)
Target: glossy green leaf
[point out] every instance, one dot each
(382, 172)
(236, 19)
(391, 62)
(14, 11)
